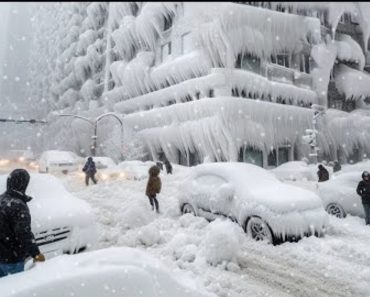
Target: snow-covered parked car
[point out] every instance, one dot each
(136, 170)
(61, 222)
(339, 195)
(266, 208)
(102, 273)
(58, 161)
(295, 171)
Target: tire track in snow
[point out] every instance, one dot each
(290, 278)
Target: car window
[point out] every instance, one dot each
(212, 181)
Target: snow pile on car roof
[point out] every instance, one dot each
(295, 170)
(102, 273)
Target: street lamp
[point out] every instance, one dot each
(94, 123)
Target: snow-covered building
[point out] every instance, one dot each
(220, 81)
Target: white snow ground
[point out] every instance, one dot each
(336, 265)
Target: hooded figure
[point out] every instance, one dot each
(168, 166)
(90, 171)
(153, 187)
(363, 189)
(323, 174)
(17, 241)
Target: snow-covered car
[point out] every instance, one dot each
(61, 222)
(295, 171)
(102, 273)
(103, 162)
(266, 208)
(136, 170)
(58, 161)
(339, 195)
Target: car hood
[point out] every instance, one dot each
(283, 198)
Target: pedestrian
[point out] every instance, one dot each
(168, 166)
(160, 165)
(17, 241)
(90, 171)
(153, 187)
(323, 173)
(363, 189)
(336, 166)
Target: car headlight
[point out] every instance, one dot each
(104, 176)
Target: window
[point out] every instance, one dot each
(186, 43)
(271, 158)
(283, 155)
(252, 156)
(165, 51)
(281, 59)
(168, 22)
(305, 63)
(248, 62)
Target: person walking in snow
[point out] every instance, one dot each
(168, 166)
(363, 189)
(153, 187)
(17, 241)
(323, 173)
(90, 171)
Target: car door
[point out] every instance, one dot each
(213, 194)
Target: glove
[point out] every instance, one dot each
(39, 258)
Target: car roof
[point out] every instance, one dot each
(236, 171)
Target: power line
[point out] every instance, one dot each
(31, 121)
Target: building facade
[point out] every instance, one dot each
(232, 81)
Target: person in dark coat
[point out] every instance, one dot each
(323, 173)
(17, 241)
(90, 171)
(153, 187)
(363, 189)
(336, 166)
(168, 166)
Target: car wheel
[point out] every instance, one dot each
(187, 208)
(259, 230)
(336, 209)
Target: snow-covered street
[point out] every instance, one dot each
(335, 265)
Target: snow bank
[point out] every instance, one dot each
(102, 273)
(222, 242)
(137, 213)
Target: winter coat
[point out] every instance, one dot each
(89, 168)
(154, 184)
(363, 189)
(168, 167)
(323, 174)
(17, 241)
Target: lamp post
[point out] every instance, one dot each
(94, 123)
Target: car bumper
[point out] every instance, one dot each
(79, 238)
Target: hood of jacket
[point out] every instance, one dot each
(17, 184)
